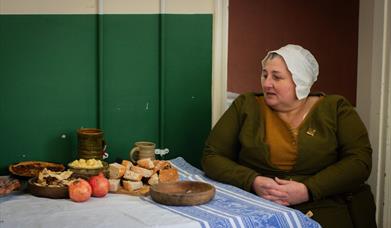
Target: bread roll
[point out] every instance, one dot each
(168, 175)
(144, 172)
(114, 185)
(132, 185)
(116, 170)
(159, 165)
(146, 163)
(133, 176)
(128, 164)
(154, 179)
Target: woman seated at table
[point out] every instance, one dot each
(307, 151)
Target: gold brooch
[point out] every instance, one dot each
(311, 131)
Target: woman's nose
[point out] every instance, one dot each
(267, 82)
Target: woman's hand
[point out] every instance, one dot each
(297, 192)
(269, 189)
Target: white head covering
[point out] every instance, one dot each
(302, 65)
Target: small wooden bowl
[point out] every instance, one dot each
(86, 173)
(46, 191)
(182, 193)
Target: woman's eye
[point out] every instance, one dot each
(276, 77)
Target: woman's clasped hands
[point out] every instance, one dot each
(284, 192)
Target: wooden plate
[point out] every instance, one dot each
(182, 193)
(32, 168)
(46, 191)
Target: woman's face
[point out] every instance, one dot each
(277, 84)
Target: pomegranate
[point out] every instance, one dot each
(100, 185)
(79, 190)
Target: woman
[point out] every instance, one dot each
(307, 151)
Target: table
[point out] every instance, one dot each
(231, 207)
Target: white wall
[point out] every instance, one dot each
(373, 85)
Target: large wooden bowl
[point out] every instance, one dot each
(182, 193)
(46, 191)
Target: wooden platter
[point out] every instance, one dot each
(144, 191)
(32, 168)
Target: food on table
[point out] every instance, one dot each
(53, 179)
(79, 190)
(133, 176)
(146, 163)
(116, 170)
(99, 184)
(8, 185)
(168, 175)
(154, 179)
(32, 168)
(114, 185)
(142, 171)
(86, 164)
(140, 176)
(128, 164)
(161, 164)
(132, 185)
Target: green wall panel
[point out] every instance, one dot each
(138, 77)
(187, 70)
(47, 85)
(130, 81)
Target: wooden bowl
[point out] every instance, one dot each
(60, 192)
(182, 193)
(86, 173)
(30, 169)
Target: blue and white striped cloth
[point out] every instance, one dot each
(233, 207)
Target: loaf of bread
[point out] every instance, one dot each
(168, 175)
(144, 172)
(159, 165)
(128, 164)
(154, 179)
(116, 170)
(133, 176)
(132, 185)
(114, 185)
(146, 163)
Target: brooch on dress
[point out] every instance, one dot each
(311, 131)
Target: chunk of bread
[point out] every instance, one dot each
(128, 164)
(114, 185)
(133, 176)
(132, 185)
(154, 179)
(146, 163)
(159, 165)
(168, 175)
(144, 172)
(116, 170)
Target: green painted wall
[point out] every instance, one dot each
(138, 77)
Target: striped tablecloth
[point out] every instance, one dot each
(233, 207)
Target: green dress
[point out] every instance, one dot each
(333, 161)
